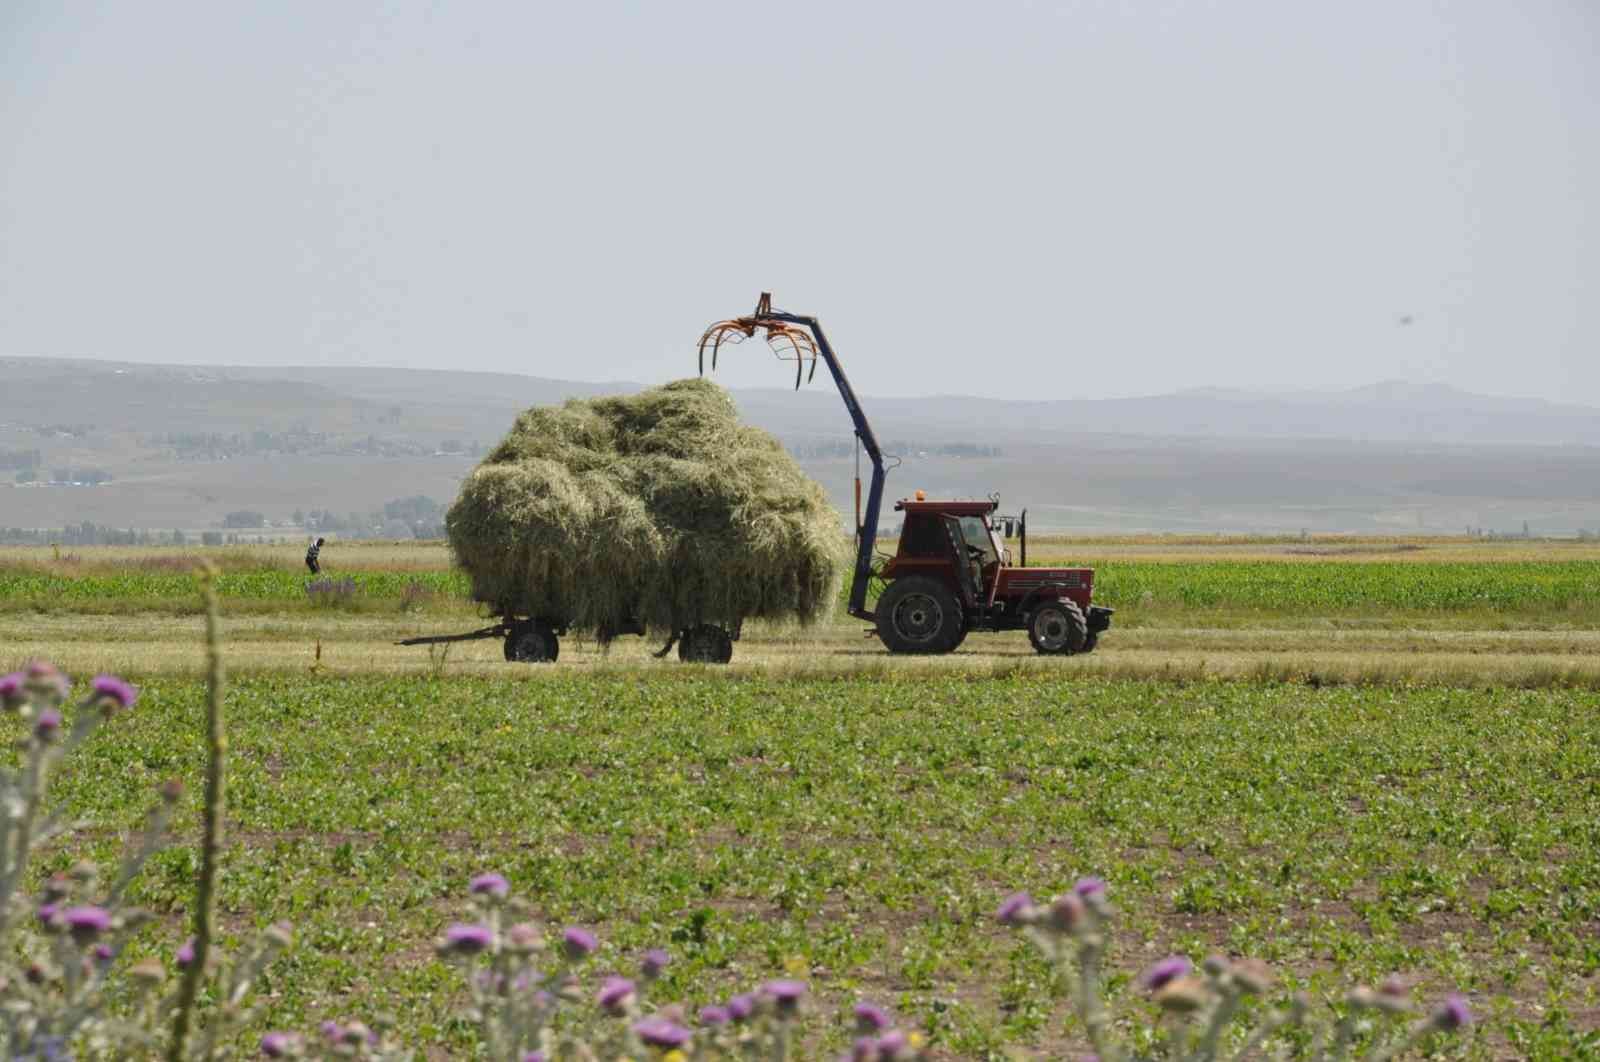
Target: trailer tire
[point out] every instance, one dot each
(919, 614)
(705, 644)
(532, 642)
(1058, 627)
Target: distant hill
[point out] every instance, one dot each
(129, 395)
(182, 446)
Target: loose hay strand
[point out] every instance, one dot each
(658, 508)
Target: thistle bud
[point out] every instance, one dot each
(1183, 996)
(1067, 913)
(147, 972)
(1253, 976)
(1454, 1014)
(1361, 998)
(524, 938)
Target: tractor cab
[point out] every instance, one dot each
(952, 574)
(953, 539)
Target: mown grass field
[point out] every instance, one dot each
(1348, 786)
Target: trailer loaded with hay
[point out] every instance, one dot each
(661, 513)
(657, 513)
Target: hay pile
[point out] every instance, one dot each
(658, 508)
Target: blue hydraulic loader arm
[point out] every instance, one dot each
(790, 343)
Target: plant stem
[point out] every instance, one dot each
(205, 892)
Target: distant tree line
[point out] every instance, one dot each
(416, 517)
(84, 534)
(74, 477)
(21, 459)
(298, 442)
(404, 518)
(835, 448)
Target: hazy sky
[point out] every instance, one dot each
(1037, 199)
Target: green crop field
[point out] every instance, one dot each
(1344, 765)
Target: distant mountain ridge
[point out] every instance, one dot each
(1392, 411)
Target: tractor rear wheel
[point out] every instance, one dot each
(532, 642)
(705, 644)
(1058, 627)
(961, 636)
(919, 614)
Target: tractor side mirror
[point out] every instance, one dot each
(1010, 528)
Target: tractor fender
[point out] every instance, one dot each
(1047, 592)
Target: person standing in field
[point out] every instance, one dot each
(312, 562)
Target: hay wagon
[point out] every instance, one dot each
(534, 640)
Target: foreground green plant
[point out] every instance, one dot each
(528, 998)
(1200, 1008)
(64, 993)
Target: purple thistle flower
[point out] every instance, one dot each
(185, 954)
(490, 885)
(865, 1049)
(47, 913)
(741, 1007)
(87, 923)
(11, 692)
(655, 960)
(1454, 1014)
(48, 723)
(1165, 972)
(579, 943)
(468, 939)
(614, 994)
(103, 953)
(1012, 908)
(113, 693)
(659, 1032)
(786, 994)
(332, 1030)
(1087, 887)
(276, 1044)
(891, 1043)
(870, 1018)
(533, 1056)
(714, 1015)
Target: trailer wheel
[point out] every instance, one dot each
(1058, 627)
(532, 642)
(919, 614)
(705, 644)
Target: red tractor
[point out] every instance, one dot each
(951, 574)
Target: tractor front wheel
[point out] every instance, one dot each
(705, 644)
(532, 642)
(919, 614)
(1058, 627)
